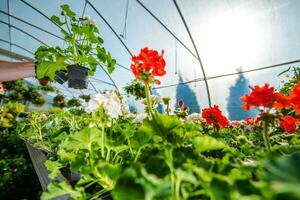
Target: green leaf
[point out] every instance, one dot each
(207, 143)
(100, 40)
(284, 174)
(53, 167)
(58, 189)
(84, 139)
(91, 37)
(48, 69)
(219, 189)
(110, 63)
(101, 54)
(66, 8)
(92, 63)
(57, 21)
(127, 187)
(163, 126)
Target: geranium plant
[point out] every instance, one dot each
(82, 53)
(146, 67)
(59, 101)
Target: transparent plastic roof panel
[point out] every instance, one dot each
(209, 46)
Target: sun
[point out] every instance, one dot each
(230, 40)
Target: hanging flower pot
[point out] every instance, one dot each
(77, 77)
(80, 56)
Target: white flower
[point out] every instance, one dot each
(125, 109)
(110, 102)
(43, 117)
(140, 117)
(156, 99)
(88, 21)
(194, 117)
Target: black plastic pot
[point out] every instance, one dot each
(61, 76)
(78, 77)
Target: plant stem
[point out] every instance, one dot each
(169, 161)
(168, 108)
(177, 189)
(103, 141)
(137, 155)
(108, 155)
(40, 132)
(266, 136)
(129, 144)
(149, 103)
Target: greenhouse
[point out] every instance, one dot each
(149, 99)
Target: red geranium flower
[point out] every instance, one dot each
(214, 116)
(260, 96)
(295, 98)
(148, 63)
(291, 101)
(255, 121)
(180, 103)
(289, 124)
(282, 101)
(61, 99)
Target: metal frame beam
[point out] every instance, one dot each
(14, 44)
(30, 24)
(196, 50)
(231, 74)
(14, 55)
(28, 34)
(111, 28)
(166, 28)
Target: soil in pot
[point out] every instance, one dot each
(77, 77)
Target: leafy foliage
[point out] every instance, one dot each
(136, 89)
(162, 158)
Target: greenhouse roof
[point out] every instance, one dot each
(213, 49)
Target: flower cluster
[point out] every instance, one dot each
(267, 97)
(88, 21)
(147, 65)
(292, 100)
(264, 96)
(214, 116)
(289, 124)
(182, 110)
(110, 102)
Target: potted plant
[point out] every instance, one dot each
(85, 97)
(80, 57)
(33, 95)
(59, 101)
(73, 103)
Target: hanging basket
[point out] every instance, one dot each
(77, 77)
